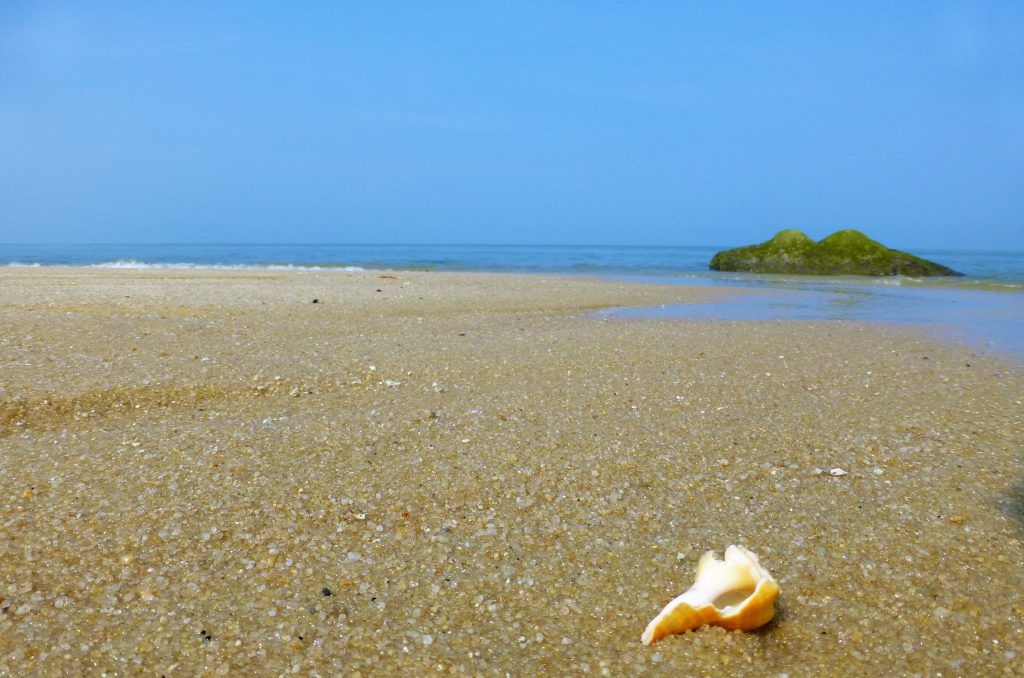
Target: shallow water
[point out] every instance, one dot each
(993, 321)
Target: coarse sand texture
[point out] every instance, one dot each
(204, 473)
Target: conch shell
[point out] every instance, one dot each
(736, 593)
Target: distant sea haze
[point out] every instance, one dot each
(1000, 269)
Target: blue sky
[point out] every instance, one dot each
(675, 123)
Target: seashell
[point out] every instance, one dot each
(737, 593)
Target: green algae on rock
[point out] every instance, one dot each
(846, 252)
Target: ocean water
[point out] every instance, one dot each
(981, 268)
(984, 308)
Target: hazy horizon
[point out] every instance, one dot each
(552, 245)
(326, 243)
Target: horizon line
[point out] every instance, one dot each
(424, 244)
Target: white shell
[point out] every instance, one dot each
(737, 593)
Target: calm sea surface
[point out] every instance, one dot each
(984, 308)
(979, 267)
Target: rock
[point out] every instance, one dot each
(843, 253)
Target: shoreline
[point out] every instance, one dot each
(705, 278)
(485, 477)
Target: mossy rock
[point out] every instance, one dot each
(843, 253)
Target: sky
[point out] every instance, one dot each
(647, 123)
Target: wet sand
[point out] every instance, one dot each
(204, 473)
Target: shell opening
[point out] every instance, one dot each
(733, 597)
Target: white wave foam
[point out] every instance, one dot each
(297, 267)
(135, 264)
(22, 264)
(121, 263)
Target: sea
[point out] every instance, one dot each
(984, 308)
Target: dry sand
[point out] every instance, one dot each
(486, 479)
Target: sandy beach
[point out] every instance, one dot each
(205, 473)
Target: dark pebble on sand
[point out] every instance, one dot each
(326, 592)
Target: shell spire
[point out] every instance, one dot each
(737, 593)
